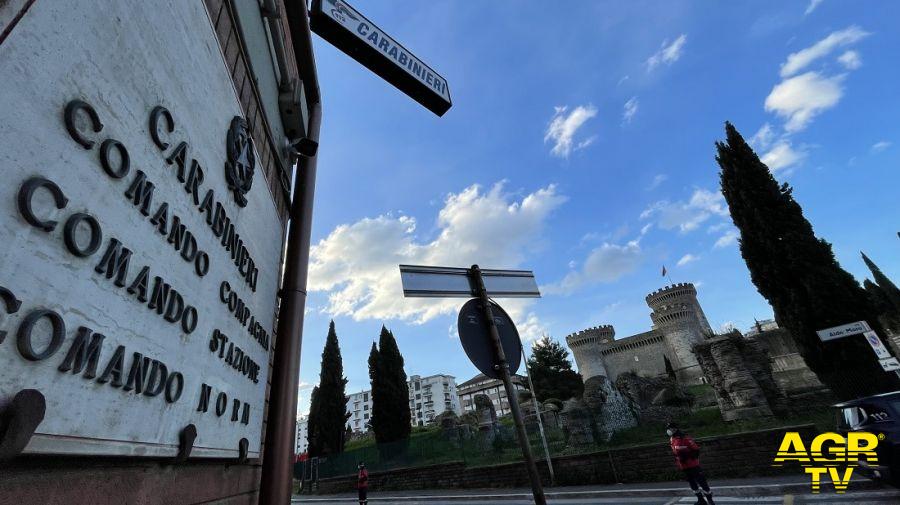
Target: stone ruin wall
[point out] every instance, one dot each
(740, 372)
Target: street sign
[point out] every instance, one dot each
(476, 339)
(449, 282)
(488, 335)
(844, 330)
(877, 345)
(351, 32)
(890, 364)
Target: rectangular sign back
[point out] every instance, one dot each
(443, 282)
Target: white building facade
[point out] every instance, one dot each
(429, 397)
(301, 441)
(359, 406)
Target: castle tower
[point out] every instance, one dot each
(587, 346)
(678, 316)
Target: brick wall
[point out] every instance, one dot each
(731, 456)
(269, 161)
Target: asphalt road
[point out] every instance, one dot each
(880, 497)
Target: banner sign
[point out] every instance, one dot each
(140, 241)
(348, 30)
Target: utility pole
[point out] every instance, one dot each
(537, 409)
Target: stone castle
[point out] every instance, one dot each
(678, 325)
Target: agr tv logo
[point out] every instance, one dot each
(829, 454)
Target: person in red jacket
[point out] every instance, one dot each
(362, 484)
(687, 458)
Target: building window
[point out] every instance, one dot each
(366, 407)
(418, 397)
(417, 386)
(365, 416)
(365, 397)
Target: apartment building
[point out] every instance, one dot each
(429, 397)
(493, 388)
(300, 439)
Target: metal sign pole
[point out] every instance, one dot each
(537, 409)
(536, 487)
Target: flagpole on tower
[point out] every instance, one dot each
(665, 274)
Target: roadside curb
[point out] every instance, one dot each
(736, 491)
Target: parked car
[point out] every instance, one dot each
(879, 414)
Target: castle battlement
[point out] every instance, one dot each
(597, 335)
(678, 325)
(669, 293)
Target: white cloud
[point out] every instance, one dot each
(531, 329)
(802, 97)
(646, 228)
(607, 263)
(730, 237)
(812, 6)
(657, 180)
(356, 264)
(668, 53)
(877, 147)
(687, 216)
(563, 127)
(782, 155)
(717, 227)
(631, 108)
(303, 397)
(586, 142)
(687, 258)
(803, 58)
(850, 60)
(763, 138)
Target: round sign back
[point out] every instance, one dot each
(476, 338)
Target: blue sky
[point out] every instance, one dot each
(580, 145)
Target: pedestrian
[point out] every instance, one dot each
(687, 457)
(362, 484)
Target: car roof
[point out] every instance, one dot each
(884, 396)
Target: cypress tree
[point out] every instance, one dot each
(890, 316)
(376, 381)
(312, 423)
(552, 373)
(798, 274)
(890, 290)
(328, 408)
(390, 392)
